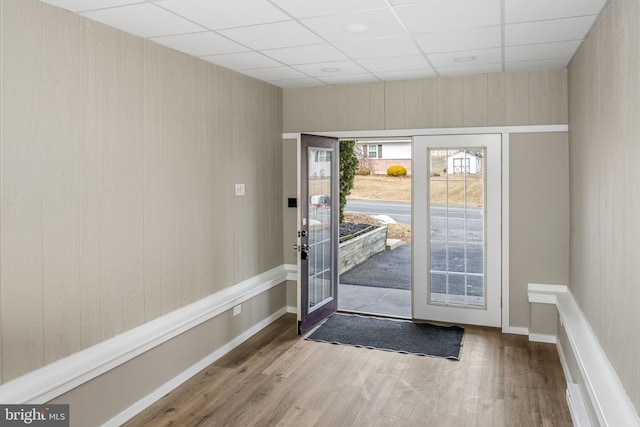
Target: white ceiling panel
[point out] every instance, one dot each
(537, 10)
(534, 52)
(466, 58)
(144, 20)
(275, 73)
(406, 75)
(380, 23)
(448, 15)
(242, 61)
(294, 83)
(83, 5)
(379, 65)
(379, 48)
(470, 70)
(398, 2)
(225, 14)
(350, 79)
(546, 64)
(200, 44)
(547, 31)
(272, 36)
(451, 41)
(311, 8)
(291, 41)
(329, 69)
(306, 54)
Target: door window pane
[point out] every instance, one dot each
(456, 217)
(319, 227)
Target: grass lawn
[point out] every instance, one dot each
(398, 189)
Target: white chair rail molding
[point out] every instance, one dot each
(594, 392)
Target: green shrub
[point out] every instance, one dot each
(363, 171)
(396, 170)
(348, 166)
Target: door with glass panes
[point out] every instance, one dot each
(457, 228)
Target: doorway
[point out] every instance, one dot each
(379, 282)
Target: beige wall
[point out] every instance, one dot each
(97, 401)
(604, 105)
(538, 219)
(526, 98)
(118, 161)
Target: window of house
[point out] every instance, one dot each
(374, 151)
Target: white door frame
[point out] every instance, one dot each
(490, 314)
(505, 131)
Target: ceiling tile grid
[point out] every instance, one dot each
(301, 43)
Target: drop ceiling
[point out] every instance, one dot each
(299, 43)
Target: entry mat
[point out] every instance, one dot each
(402, 336)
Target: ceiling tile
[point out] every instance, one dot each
(294, 83)
(451, 41)
(379, 48)
(306, 54)
(381, 23)
(225, 14)
(403, 63)
(274, 73)
(448, 15)
(309, 8)
(547, 31)
(200, 44)
(534, 52)
(482, 57)
(546, 64)
(470, 70)
(350, 79)
(272, 36)
(406, 75)
(145, 20)
(83, 5)
(527, 10)
(398, 2)
(343, 68)
(242, 61)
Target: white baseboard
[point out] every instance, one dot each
(151, 398)
(292, 309)
(57, 378)
(605, 392)
(546, 338)
(516, 330)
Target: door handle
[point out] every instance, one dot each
(304, 252)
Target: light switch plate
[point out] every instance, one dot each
(239, 189)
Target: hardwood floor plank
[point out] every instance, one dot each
(276, 378)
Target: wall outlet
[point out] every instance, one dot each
(239, 189)
(237, 309)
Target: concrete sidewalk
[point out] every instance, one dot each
(380, 285)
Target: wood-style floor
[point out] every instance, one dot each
(278, 378)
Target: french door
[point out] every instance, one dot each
(318, 224)
(457, 229)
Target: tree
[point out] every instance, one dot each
(348, 166)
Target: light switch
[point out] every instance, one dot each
(239, 189)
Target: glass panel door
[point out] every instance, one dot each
(318, 229)
(457, 229)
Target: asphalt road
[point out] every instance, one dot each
(453, 254)
(401, 212)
